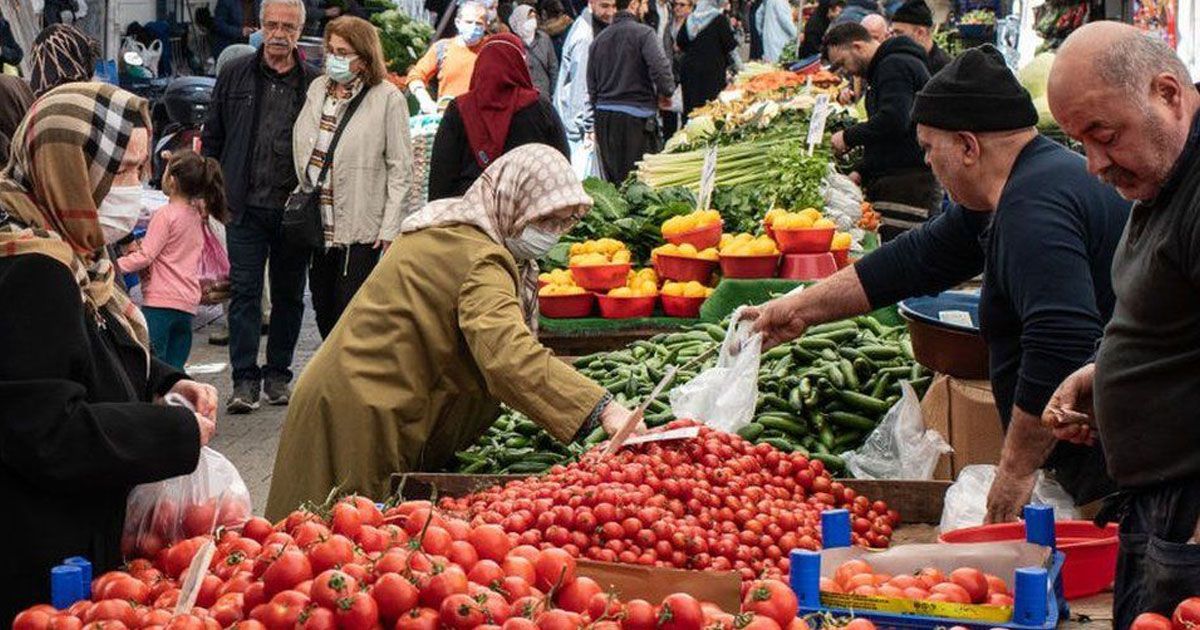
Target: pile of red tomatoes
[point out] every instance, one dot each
(712, 502)
(964, 585)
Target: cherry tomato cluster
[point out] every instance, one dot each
(964, 585)
(150, 527)
(712, 502)
(410, 568)
(1185, 617)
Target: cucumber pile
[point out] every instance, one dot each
(821, 394)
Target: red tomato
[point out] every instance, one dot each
(773, 599)
(680, 611)
(249, 624)
(1151, 621)
(554, 567)
(996, 585)
(760, 622)
(449, 582)
(330, 553)
(486, 573)
(930, 576)
(558, 620)
(64, 621)
(356, 611)
(35, 618)
(419, 619)
(346, 520)
(639, 615)
(859, 624)
(973, 581)
(228, 609)
(999, 599)
(317, 618)
(257, 529)
(520, 566)
(1187, 613)
(463, 554)
(199, 518)
(575, 596)
(331, 586)
(112, 610)
(126, 588)
(953, 592)
(289, 569)
(827, 585)
(850, 569)
(491, 542)
(519, 623)
(394, 595)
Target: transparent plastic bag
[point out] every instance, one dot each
(966, 499)
(724, 396)
(214, 269)
(901, 447)
(164, 512)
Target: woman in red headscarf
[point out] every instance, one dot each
(500, 112)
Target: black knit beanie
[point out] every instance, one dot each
(914, 12)
(975, 92)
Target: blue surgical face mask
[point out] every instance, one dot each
(338, 68)
(470, 32)
(531, 244)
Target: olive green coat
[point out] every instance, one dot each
(416, 369)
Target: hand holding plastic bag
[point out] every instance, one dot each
(966, 500)
(900, 447)
(724, 396)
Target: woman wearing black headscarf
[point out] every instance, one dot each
(814, 29)
(60, 54)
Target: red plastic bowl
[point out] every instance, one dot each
(805, 240)
(601, 277)
(1091, 552)
(700, 238)
(841, 257)
(680, 306)
(684, 269)
(749, 266)
(626, 307)
(566, 306)
(808, 267)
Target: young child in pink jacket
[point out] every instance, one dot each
(171, 252)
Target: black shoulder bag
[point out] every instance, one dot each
(301, 223)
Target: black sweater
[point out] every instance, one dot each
(888, 137)
(1045, 255)
(77, 429)
(627, 65)
(453, 168)
(1147, 384)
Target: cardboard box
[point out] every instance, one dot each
(964, 412)
(653, 584)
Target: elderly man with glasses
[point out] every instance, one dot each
(249, 129)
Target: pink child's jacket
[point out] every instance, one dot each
(171, 249)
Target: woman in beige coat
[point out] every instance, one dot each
(364, 195)
(439, 336)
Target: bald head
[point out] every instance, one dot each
(1129, 99)
(876, 25)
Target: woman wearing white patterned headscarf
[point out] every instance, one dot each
(437, 337)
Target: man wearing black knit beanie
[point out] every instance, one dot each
(1041, 230)
(915, 20)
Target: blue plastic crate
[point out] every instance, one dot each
(1037, 591)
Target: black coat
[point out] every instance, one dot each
(230, 132)
(77, 429)
(452, 167)
(889, 137)
(705, 61)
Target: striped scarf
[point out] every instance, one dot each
(63, 159)
(332, 110)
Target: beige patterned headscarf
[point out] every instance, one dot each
(532, 183)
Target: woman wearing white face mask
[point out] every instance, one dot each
(364, 181)
(539, 50)
(78, 423)
(438, 337)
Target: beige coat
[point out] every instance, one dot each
(372, 165)
(416, 369)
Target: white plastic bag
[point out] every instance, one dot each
(966, 500)
(724, 396)
(901, 447)
(164, 512)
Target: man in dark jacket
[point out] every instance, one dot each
(255, 103)
(233, 21)
(915, 20)
(892, 172)
(1041, 230)
(629, 78)
(10, 50)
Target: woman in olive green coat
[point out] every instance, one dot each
(437, 337)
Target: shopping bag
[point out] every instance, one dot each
(214, 269)
(965, 504)
(724, 396)
(901, 447)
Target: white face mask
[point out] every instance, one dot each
(470, 32)
(533, 243)
(527, 30)
(119, 212)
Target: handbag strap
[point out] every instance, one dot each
(337, 135)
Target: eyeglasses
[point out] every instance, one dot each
(270, 27)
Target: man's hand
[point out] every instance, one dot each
(203, 397)
(779, 320)
(855, 177)
(207, 427)
(846, 96)
(1069, 412)
(1008, 496)
(613, 417)
(838, 143)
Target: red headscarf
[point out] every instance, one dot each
(500, 85)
